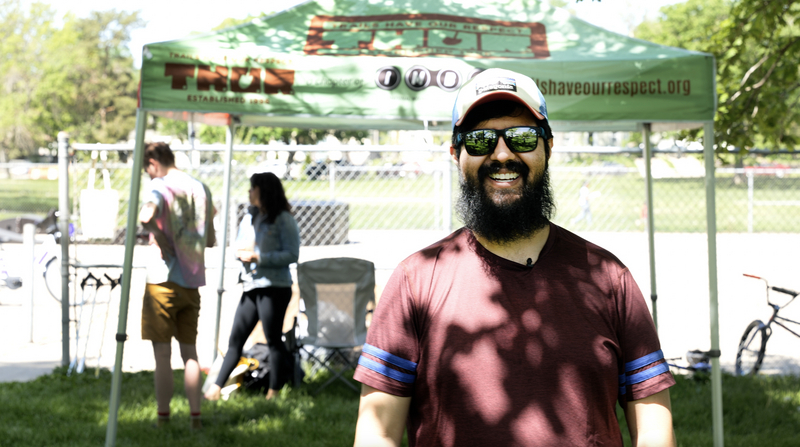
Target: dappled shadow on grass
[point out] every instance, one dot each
(761, 410)
(61, 410)
(56, 409)
(294, 418)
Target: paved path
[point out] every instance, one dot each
(682, 286)
(21, 359)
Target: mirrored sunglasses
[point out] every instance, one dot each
(483, 141)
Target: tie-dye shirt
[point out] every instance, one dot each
(184, 210)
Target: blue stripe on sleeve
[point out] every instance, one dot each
(644, 361)
(387, 357)
(622, 379)
(622, 390)
(380, 368)
(648, 374)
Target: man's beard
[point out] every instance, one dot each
(512, 218)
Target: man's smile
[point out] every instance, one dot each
(503, 174)
(504, 177)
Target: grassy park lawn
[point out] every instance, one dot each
(416, 202)
(19, 197)
(57, 410)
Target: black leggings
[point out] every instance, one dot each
(269, 305)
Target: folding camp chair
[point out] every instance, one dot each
(335, 293)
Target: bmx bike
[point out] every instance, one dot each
(696, 362)
(753, 344)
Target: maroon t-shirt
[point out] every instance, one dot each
(496, 353)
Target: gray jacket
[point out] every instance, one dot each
(277, 244)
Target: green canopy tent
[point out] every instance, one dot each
(348, 64)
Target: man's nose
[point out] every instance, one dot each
(502, 152)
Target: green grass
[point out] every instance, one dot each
(412, 203)
(757, 411)
(59, 410)
(18, 197)
(679, 204)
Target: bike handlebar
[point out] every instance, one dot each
(789, 292)
(786, 291)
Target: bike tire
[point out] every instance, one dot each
(52, 279)
(751, 350)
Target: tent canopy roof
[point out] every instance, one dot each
(356, 64)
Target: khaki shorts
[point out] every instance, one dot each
(170, 310)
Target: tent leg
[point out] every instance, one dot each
(651, 245)
(63, 226)
(125, 291)
(711, 219)
(224, 242)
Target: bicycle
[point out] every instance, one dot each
(698, 362)
(753, 344)
(49, 264)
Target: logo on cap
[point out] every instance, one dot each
(496, 84)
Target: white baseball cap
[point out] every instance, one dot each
(496, 84)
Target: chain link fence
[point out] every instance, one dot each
(377, 196)
(758, 199)
(331, 192)
(391, 188)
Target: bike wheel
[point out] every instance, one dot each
(751, 349)
(52, 279)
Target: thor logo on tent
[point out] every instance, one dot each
(242, 79)
(409, 35)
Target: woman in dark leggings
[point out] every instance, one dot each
(268, 241)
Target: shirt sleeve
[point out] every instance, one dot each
(643, 370)
(155, 196)
(389, 358)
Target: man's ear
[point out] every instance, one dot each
(550, 146)
(157, 166)
(454, 154)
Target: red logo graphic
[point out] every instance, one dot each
(234, 79)
(412, 35)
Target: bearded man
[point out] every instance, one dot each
(512, 331)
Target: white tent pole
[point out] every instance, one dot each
(125, 292)
(713, 307)
(63, 226)
(651, 245)
(224, 242)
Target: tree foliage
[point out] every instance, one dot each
(26, 43)
(105, 81)
(756, 44)
(74, 75)
(688, 25)
(758, 56)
